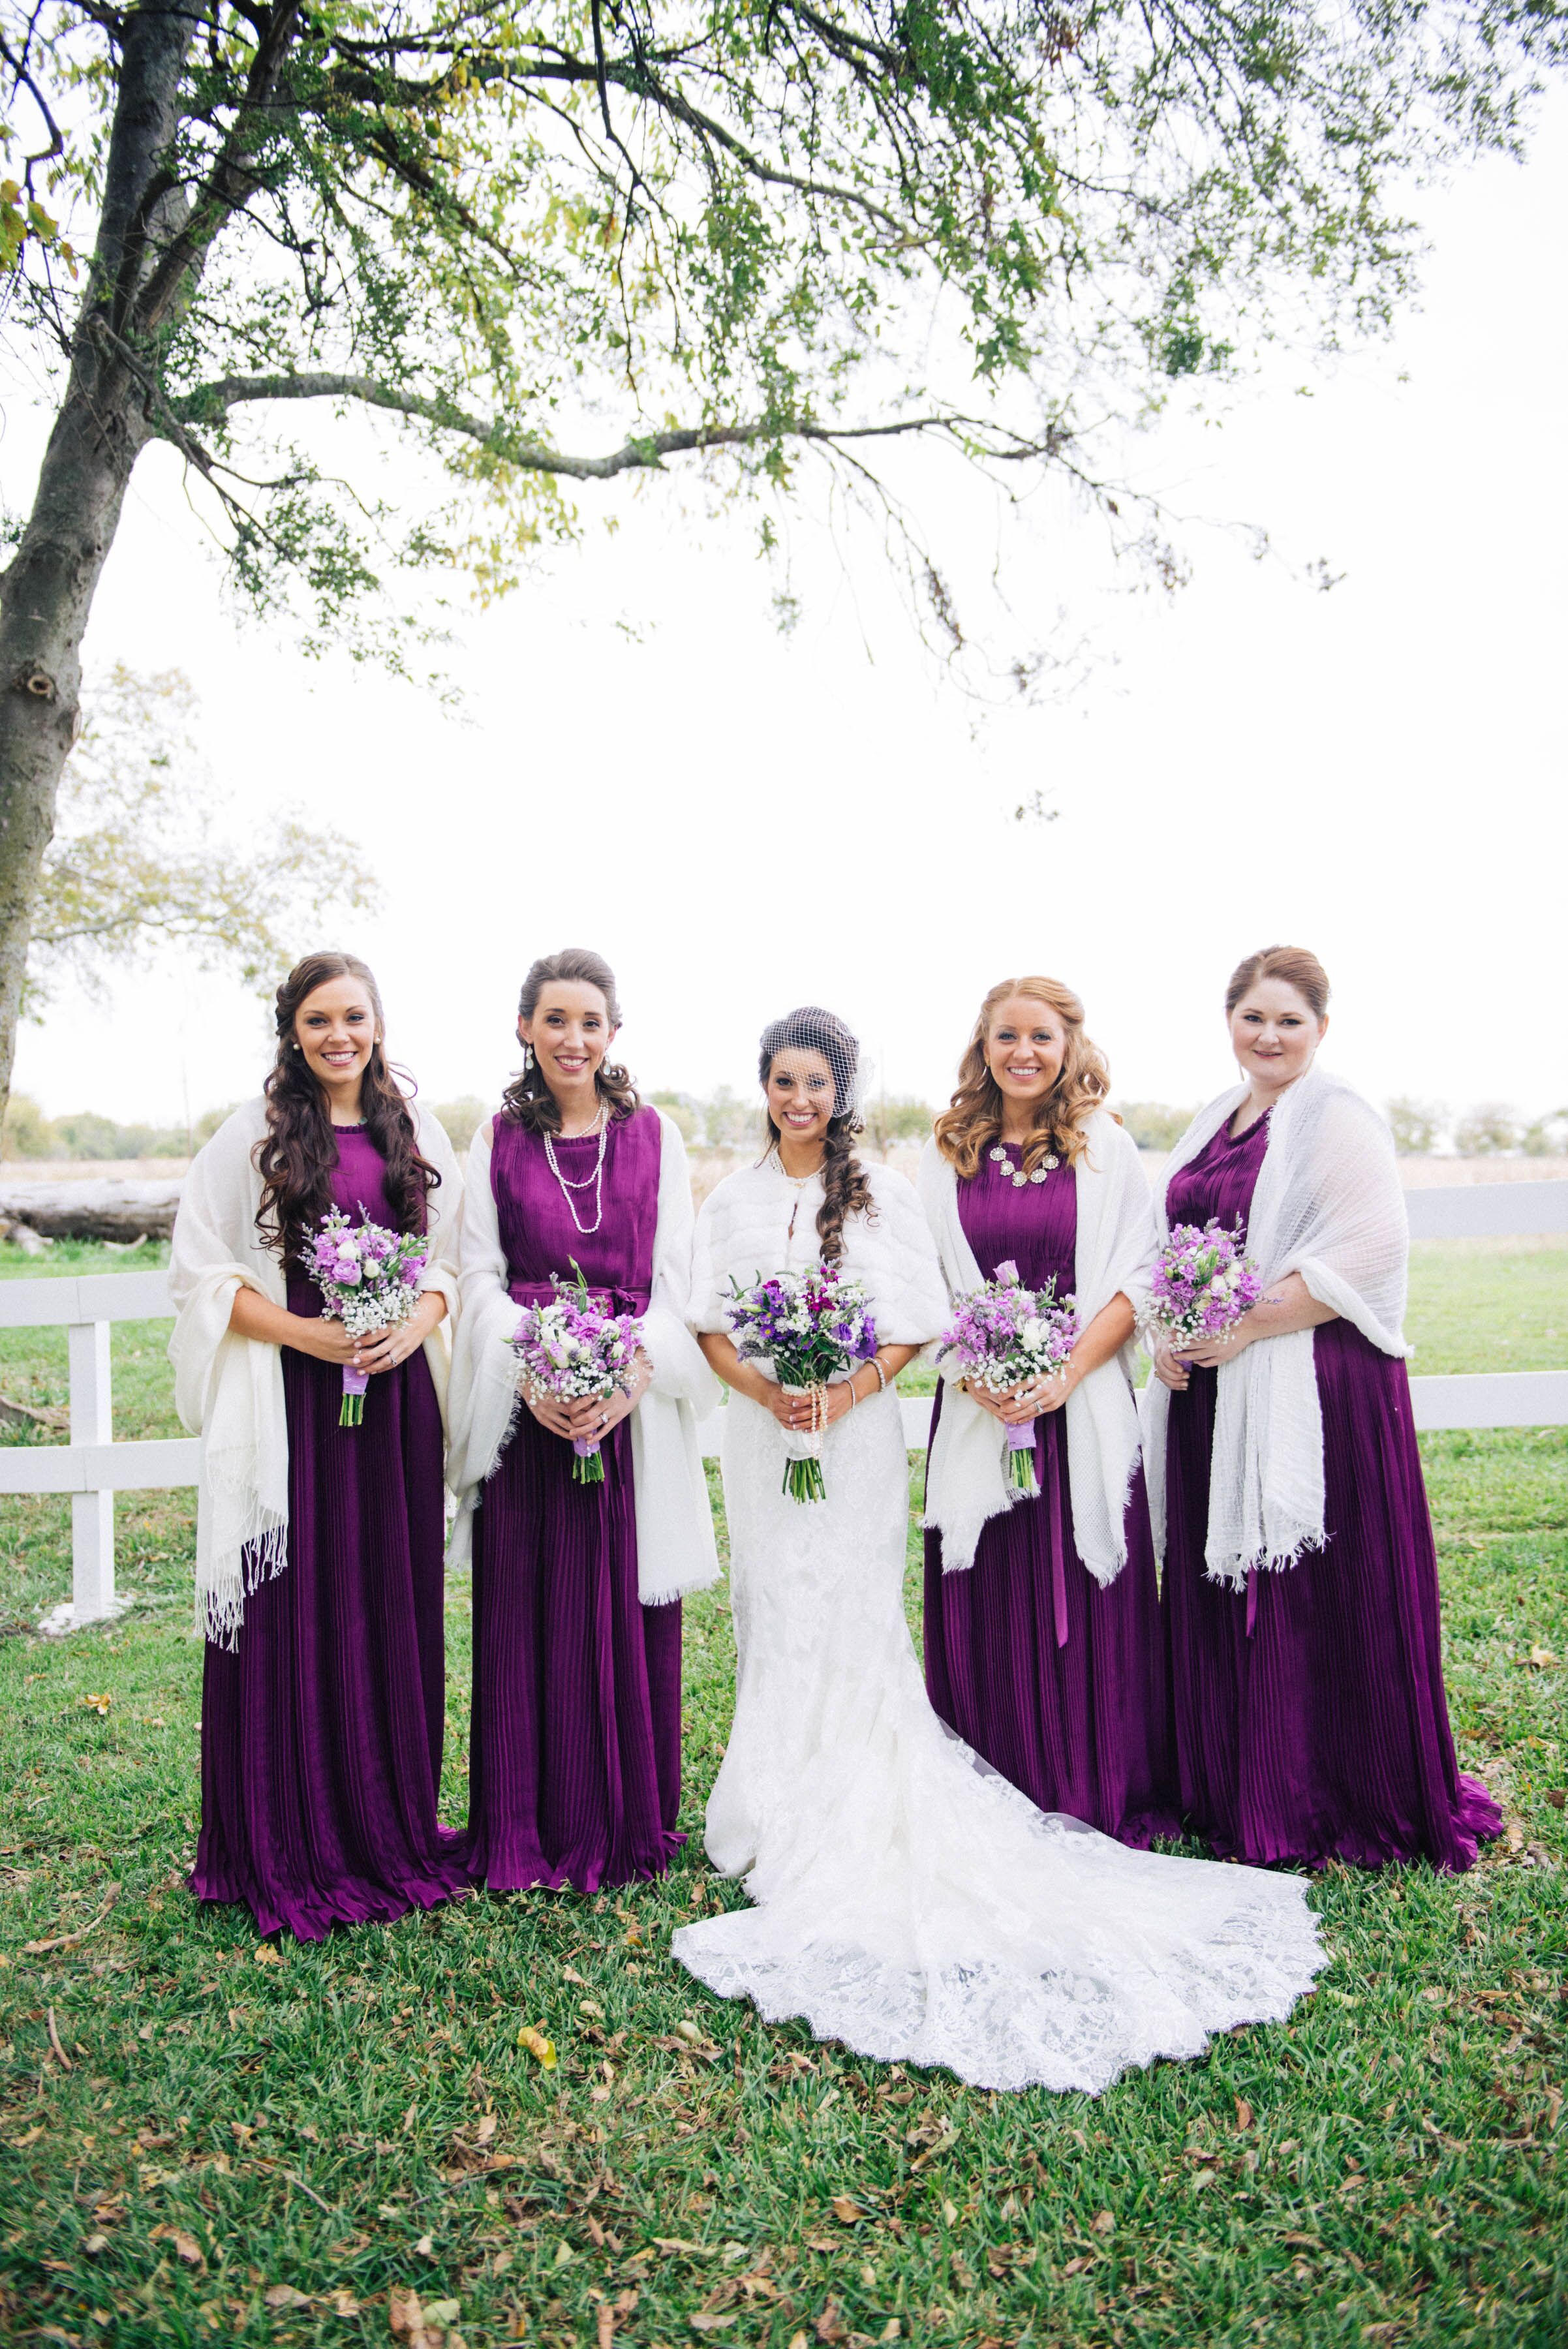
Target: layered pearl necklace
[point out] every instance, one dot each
(1015, 1174)
(593, 1182)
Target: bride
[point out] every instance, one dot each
(908, 1900)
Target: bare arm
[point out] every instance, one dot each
(255, 1316)
(795, 1411)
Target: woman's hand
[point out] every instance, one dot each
(383, 1349)
(591, 1417)
(324, 1341)
(1170, 1368)
(1030, 1399)
(1211, 1353)
(549, 1411)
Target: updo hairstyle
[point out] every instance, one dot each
(967, 1129)
(1293, 965)
(528, 1101)
(298, 1151)
(845, 1186)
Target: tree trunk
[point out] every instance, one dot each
(99, 433)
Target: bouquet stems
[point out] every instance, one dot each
(588, 1467)
(1021, 1459)
(352, 1411)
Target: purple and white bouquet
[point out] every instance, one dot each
(1203, 1283)
(1004, 1335)
(369, 1280)
(571, 1348)
(811, 1326)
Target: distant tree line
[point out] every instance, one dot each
(725, 1120)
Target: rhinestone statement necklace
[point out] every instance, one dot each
(1015, 1174)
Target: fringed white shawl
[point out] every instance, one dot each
(228, 1390)
(676, 1552)
(966, 1479)
(1328, 1205)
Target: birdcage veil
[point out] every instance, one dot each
(811, 1029)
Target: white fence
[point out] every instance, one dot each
(91, 1467)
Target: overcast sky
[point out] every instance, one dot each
(741, 821)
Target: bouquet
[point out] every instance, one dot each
(1004, 1334)
(1203, 1282)
(570, 1348)
(811, 1326)
(369, 1278)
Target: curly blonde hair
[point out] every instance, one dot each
(967, 1127)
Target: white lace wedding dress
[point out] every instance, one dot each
(908, 1900)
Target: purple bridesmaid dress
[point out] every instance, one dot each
(321, 1733)
(574, 1765)
(1059, 1683)
(1310, 1721)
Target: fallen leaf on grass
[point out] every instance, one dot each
(404, 2314)
(843, 2208)
(705, 2322)
(1515, 1836)
(1104, 2225)
(442, 2311)
(101, 1702)
(485, 2128)
(94, 2244)
(344, 2303)
(1541, 1660)
(61, 2058)
(830, 2325)
(1553, 2106)
(1244, 2115)
(1076, 2266)
(542, 2050)
(70, 1941)
(693, 2251)
(425, 2248)
(267, 1955)
(28, 2136)
(284, 2295)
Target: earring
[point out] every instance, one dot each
(527, 1058)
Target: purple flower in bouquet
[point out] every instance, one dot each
(810, 1327)
(572, 1348)
(1202, 1284)
(1003, 1335)
(369, 1280)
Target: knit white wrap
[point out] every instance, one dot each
(228, 1390)
(1328, 1204)
(966, 1478)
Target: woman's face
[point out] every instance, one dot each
(1025, 1046)
(800, 1095)
(1275, 1031)
(336, 1029)
(571, 1035)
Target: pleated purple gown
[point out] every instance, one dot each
(574, 1767)
(321, 1733)
(1311, 1718)
(1059, 1683)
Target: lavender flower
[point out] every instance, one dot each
(812, 1327)
(570, 1347)
(369, 1280)
(1202, 1284)
(1004, 1334)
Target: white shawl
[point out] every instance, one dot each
(1328, 1205)
(228, 1390)
(676, 1552)
(966, 1479)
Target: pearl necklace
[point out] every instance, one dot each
(594, 1180)
(1000, 1158)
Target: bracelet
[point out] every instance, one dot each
(881, 1374)
(854, 1398)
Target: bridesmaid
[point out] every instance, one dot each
(574, 1767)
(1044, 1647)
(318, 1547)
(1301, 1580)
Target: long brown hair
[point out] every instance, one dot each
(298, 1151)
(528, 1101)
(970, 1124)
(1293, 965)
(845, 1186)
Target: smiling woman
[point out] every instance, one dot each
(319, 1546)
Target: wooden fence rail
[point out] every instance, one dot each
(92, 1467)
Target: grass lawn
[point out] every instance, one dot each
(204, 2140)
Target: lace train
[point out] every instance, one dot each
(909, 1901)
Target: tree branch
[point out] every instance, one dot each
(639, 451)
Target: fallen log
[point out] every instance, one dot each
(98, 1209)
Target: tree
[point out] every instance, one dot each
(1154, 1125)
(1489, 1131)
(135, 864)
(899, 1117)
(1547, 1137)
(749, 231)
(1417, 1126)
